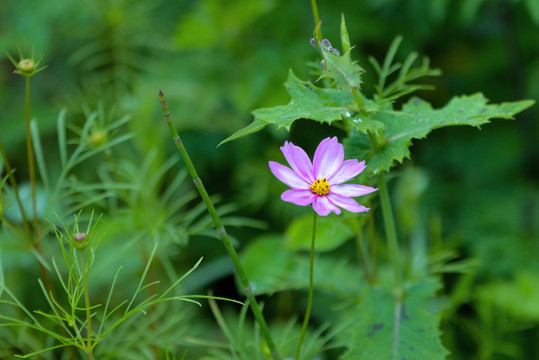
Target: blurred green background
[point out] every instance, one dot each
(218, 60)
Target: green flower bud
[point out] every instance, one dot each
(97, 138)
(26, 66)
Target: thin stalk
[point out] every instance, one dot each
(359, 101)
(362, 250)
(389, 224)
(88, 349)
(391, 231)
(311, 292)
(31, 169)
(13, 184)
(315, 13)
(30, 151)
(372, 246)
(221, 231)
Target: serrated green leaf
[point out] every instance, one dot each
(417, 119)
(343, 70)
(307, 102)
(385, 327)
(331, 232)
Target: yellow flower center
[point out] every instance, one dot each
(320, 187)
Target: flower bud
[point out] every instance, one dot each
(26, 66)
(80, 237)
(97, 138)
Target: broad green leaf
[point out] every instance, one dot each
(331, 232)
(307, 102)
(268, 264)
(365, 125)
(311, 102)
(273, 267)
(385, 327)
(417, 119)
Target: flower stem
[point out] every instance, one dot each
(311, 291)
(32, 173)
(222, 232)
(28, 232)
(30, 151)
(365, 263)
(390, 229)
(87, 304)
(315, 12)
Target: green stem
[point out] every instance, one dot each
(311, 292)
(87, 303)
(390, 229)
(372, 246)
(31, 169)
(315, 13)
(359, 102)
(222, 232)
(16, 193)
(362, 249)
(30, 151)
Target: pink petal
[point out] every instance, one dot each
(328, 158)
(349, 169)
(350, 190)
(298, 197)
(323, 206)
(288, 176)
(299, 160)
(346, 203)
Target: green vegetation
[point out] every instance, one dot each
(443, 266)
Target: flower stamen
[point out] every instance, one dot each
(320, 186)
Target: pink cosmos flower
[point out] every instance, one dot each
(320, 183)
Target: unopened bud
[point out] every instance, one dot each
(334, 51)
(80, 237)
(97, 138)
(26, 66)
